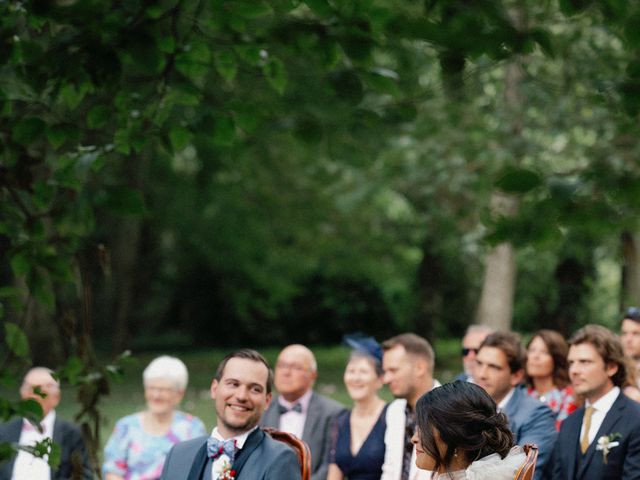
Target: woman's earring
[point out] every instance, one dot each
(455, 452)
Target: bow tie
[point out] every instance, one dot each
(296, 408)
(216, 447)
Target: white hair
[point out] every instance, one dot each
(167, 368)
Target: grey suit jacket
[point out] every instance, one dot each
(531, 421)
(261, 458)
(321, 415)
(66, 435)
(623, 461)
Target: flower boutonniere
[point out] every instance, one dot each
(606, 443)
(223, 468)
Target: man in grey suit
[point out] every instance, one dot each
(39, 385)
(299, 410)
(237, 448)
(500, 371)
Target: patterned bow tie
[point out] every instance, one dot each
(296, 408)
(216, 447)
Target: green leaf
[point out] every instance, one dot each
(383, 80)
(226, 65)
(309, 130)
(20, 264)
(98, 117)
(321, 7)
(250, 8)
(72, 370)
(58, 135)
(16, 340)
(347, 86)
(224, 131)
(518, 180)
(632, 30)
(125, 201)
(28, 130)
(72, 95)
(276, 74)
(121, 141)
(179, 137)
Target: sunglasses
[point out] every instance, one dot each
(467, 351)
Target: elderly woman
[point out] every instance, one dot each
(140, 442)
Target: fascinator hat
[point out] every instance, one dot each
(363, 344)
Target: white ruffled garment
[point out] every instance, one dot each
(491, 467)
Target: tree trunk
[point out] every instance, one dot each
(630, 293)
(496, 300)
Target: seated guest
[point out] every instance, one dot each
(601, 440)
(40, 385)
(140, 442)
(630, 339)
(471, 341)
(460, 435)
(298, 409)
(236, 449)
(357, 451)
(547, 375)
(500, 371)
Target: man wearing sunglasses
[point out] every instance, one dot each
(471, 341)
(630, 337)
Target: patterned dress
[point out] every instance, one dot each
(135, 454)
(561, 402)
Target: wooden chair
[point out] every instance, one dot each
(300, 447)
(528, 468)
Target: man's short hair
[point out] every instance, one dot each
(413, 344)
(608, 347)
(632, 313)
(511, 345)
(247, 354)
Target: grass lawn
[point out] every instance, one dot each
(127, 397)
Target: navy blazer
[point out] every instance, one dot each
(623, 461)
(66, 435)
(531, 421)
(261, 458)
(321, 416)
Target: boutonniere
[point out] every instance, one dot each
(223, 468)
(606, 443)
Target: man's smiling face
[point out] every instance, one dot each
(240, 396)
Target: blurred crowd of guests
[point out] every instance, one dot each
(575, 399)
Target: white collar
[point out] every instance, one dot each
(240, 439)
(47, 423)
(604, 403)
(505, 400)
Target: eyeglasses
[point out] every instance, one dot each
(467, 351)
(632, 313)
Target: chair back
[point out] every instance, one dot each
(528, 468)
(299, 446)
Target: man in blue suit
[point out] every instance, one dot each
(237, 449)
(500, 371)
(601, 440)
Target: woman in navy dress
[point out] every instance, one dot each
(357, 451)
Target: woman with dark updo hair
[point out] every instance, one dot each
(461, 436)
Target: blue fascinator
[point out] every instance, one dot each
(364, 344)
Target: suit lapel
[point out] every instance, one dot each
(271, 417)
(199, 463)
(14, 429)
(608, 423)
(311, 420)
(573, 435)
(254, 439)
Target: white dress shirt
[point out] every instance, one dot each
(292, 421)
(505, 400)
(600, 409)
(26, 466)
(219, 464)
